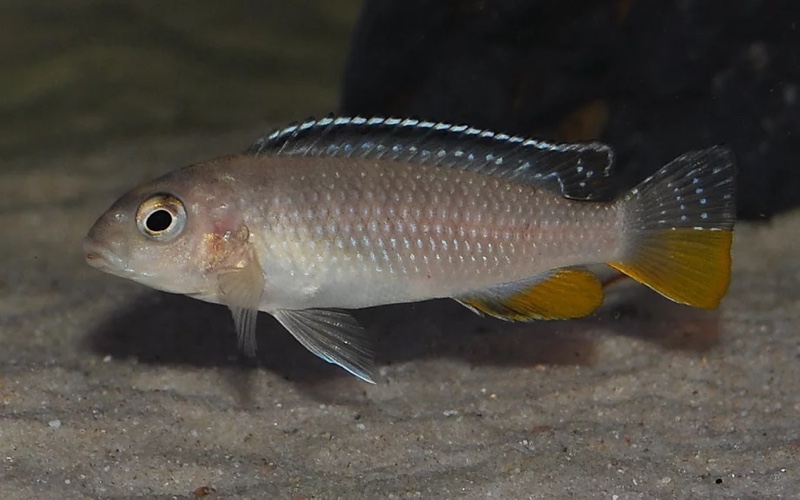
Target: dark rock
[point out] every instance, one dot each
(651, 78)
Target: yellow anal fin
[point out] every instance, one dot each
(687, 265)
(561, 294)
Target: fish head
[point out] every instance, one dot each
(175, 234)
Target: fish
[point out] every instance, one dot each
(341, 213)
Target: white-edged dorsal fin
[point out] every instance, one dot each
(578, 171)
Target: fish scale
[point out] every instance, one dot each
(451, 232)
(344, 213)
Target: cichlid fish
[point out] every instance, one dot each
(345, 213)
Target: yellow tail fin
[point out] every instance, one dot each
(679, 223)
(689, 266)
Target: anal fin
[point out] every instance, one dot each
(561, 294)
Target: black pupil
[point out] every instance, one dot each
(158, 221)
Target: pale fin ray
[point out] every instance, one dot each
(334, 336)
(241, 289)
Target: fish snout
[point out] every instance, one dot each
(101, 257)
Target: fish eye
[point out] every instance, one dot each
(161, 217)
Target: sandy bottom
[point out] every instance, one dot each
(108, 389)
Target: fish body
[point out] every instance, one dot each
(354, 233)
(349, 213)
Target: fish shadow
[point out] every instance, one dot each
(166, 329)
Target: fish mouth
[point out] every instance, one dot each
(100, 257)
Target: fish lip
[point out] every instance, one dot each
(100, 257)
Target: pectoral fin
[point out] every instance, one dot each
(560, 294)
(334, 336)
(240, 290)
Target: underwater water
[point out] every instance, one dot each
(80, 73)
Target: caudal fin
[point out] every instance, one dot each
(679, 228)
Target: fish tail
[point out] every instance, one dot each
(678, 227)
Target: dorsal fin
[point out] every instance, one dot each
(577, 171)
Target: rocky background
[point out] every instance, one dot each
(652, 78)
